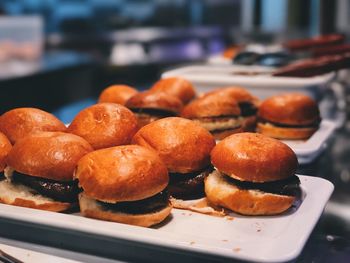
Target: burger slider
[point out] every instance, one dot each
(117, 94)
(288, 116)
(5, 148)
(124, 184)
(255, 175)
(149, 106)
(216, 112)
(184, 146)
(177, 87)
(20, 122)
(104, 125)
(40, 171)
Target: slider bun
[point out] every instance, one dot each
(290, 108)
(220, 135)
(246, 202)
(175, 86)
(20, 122)
(104, 125)
(90, 208)
(238, 93)
(285, 133)
(117, 94)
(5, 147)
(122, 173)
(182, 144)
(20, 195)
(155, 100)
(50, 155)
(211, 105)
(254, 157)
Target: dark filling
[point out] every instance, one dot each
(60, 191)
(154, 112)
(148, 205)
(2, 176)
(189, 185)
(247, 109)
(313, 125)
(289, 186)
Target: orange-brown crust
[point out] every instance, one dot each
(5, 147)
(117, 94)
(220, 135)
(254, 157)
(285, 133)
(175, 86)
(155, 100)
(51, 155)
(105, 125)
(19, 122)
(49, 206)
(290, 108)
(237, 93)
(144, 119)
(183, 145)
(122, 173)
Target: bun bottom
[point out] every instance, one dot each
(20, 195)
(245, 202)
(91, 208)
(220, 135)
(285, 133)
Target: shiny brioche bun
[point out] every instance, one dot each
(273, 131)
(182, 144)
(91, 208)
(50, 155)
(237, 93)
(254, 157)
(155, 100)
(122, 173)
(104, 125)
(5, 147)
(247, 202)
(20, 122)
(117, 94)
(290, 108)
(175, 86)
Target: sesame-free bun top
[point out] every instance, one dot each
(211, 105)
(105, 125)
(254, 157)
(182, 144)
(117, 94)
(238, 93)
(51, 155)
(5, 147)
(175, 86)
(290, 108)
(122, 173)
(20, 122)
(155, 100)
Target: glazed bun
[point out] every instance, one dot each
(182, 144)
(254, 157)
(5, 147)
(237, 93)
(104, 125)
(122, 173)
(177, 87)
(50, 155)
(117, 94)
(20, 122)
(290, 109)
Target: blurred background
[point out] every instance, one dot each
(57, 52)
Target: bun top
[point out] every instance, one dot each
(51, 155)
(291, 108)
(212, 104)
(122, 173)
(5, 147)
(254, 157)
(117, 94)
(175, 86)
(105, 125)
(155, 100)
(237, 93)
(20, 122)
(183, 145)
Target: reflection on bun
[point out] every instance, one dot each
(117, 94)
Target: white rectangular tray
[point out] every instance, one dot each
(265, 238)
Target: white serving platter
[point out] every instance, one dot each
(264, 238)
